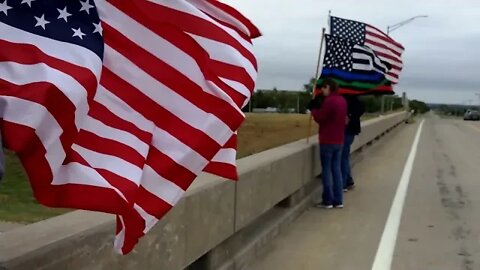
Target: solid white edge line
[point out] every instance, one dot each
(384, 257)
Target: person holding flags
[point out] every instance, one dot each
(331, 115)
(355, 110)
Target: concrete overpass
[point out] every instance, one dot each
(265, 221)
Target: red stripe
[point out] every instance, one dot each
(234, 73)
(254, 32)
(224, 170)
(385, 89)
(194, 138)
(390, 59)
(40, 176)
(232, 142)
(103, 114)
(184, 21)
(152, 204)
(172, 78)
(169, 169)
(381, 45)
(106, 146)
(50, 97)
(386, 37)
(29, 54)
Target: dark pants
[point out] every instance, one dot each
(346, 169)
(330, 155)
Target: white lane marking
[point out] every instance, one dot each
(383, 259)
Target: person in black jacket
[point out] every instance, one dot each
(355, 111)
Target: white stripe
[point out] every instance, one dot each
(392, 47)
(97, 127)
(37, 117)
(21, 74)
(68, 52)
(239, 87)
(162, 140)
(391, 78)
(123, 110)
(397, 60)
(185, 7)
(161, 187)
(179, 152)
(76, 173)
(159, 47)
(370, 66)
(380, 33)
(226, 155)
(384, 257)
(220, 15)
(225, 53)
(150, 220)
(120, 237)
(110, 163)
(165, 97)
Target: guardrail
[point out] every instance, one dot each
(211, 222)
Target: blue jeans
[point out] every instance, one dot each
(346, 169)
(330, 156)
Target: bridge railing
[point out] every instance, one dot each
(213, 221)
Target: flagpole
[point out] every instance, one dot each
(317, 71)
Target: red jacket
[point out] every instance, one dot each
(331, 118)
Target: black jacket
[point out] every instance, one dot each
(355, 111)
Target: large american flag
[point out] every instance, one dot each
(117, 106)
(384, 46)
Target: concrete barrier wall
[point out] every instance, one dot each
(212, 211)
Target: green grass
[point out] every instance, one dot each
(17, 203)
(260, 132)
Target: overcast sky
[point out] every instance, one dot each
(442, 57)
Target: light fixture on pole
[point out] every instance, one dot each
(392, 28)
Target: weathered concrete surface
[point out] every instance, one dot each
(345, 239)
(211, 212)
(7, 226)
(440, 224)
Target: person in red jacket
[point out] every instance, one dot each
(331, 116)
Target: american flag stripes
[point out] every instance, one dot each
(126, 134)
(384, 46)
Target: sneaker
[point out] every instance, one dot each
(345, 190)
(324, 206)
(351, 187)
(339, 206)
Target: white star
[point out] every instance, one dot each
(98, 28)
(28, 2)
(86, 6)
(41, 21)
(63, 14)
(78, 33)
(4, 8)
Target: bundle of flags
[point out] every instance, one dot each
(117, 106)
(361, 58)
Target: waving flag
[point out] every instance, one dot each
(235, 66)
(116, 106)
(385, 47)
(356, 68)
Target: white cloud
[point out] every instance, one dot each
(442, 57)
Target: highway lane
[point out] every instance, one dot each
(440, 222)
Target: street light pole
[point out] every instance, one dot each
(392, 28)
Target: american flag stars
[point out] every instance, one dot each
(4, 7)
(48, 19)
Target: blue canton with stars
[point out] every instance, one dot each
(72, 21)
(348, 29)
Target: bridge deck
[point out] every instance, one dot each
(440, 223)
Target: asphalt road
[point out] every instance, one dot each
(434, 222)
